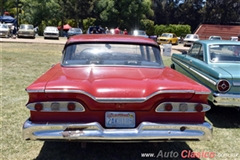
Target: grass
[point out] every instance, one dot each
(22, 63)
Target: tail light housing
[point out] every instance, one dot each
(71, 106)
(183, 107)
(168, 107)
(223, 86)
(199, 107)
(38, 107)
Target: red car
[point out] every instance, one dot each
(115, 88)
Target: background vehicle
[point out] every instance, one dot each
(74, 31)
(4, 30)
(216, 65)
(233, 38)
(168, 38)
(26, 30)
(96, 29)
(115, 88)
(189, 39)
(139, 33)
(215, 38)
(51, 32)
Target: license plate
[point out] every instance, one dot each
(120, 119)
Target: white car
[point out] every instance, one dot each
(4, 30)
(233, 38)
(189, 39)
(215, 38)
(51, 32)
(139, 33)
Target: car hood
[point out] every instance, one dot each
(115, 81)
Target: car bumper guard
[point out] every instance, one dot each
(146, 131)
(226, 100)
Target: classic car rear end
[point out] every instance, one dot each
(115, 88)
(215, 64)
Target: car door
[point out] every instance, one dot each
(197, 65)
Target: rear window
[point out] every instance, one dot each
(224, 53)
(108, 54)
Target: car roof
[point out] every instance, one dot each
(214, 36)
(110, 38)
(207, 42)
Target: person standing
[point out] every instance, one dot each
(125, 32)
(117, 31)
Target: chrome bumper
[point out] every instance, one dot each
(94, 132)
(226, 100)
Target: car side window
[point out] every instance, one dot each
(194, 51)
(200, 55)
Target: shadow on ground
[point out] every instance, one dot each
(223, 117)
(113, 151)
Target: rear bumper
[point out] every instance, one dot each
(226, 100)
(94, 132)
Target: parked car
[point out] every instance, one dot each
(95, 30)
(74, 31)
(233, 38)
(115, 88)
(168, 38)
(215, 64)
(4, 30)
(51, 32)
(26, 30)
(189, 39)
(139, 33)
(215, 38)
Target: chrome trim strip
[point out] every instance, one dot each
(226, 100)
(123, 100)
(146, 131)
(190, 107)
(175, 59)
(236, 83)
(204, 77)
(195, 71)
(120, 100)
(35, 91)
(62, 106)
(97, 65)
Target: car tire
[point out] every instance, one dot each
(172, 66)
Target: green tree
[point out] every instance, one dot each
(222, 11)
(124, 14)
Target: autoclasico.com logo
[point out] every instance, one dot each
(189, 154)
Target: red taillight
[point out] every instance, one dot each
(223, 86)
(198, 107)
(38, 107)
(168, 107)
(71, 106)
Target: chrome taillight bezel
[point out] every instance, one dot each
(227, 84)
(189, 107)
(57, 106)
